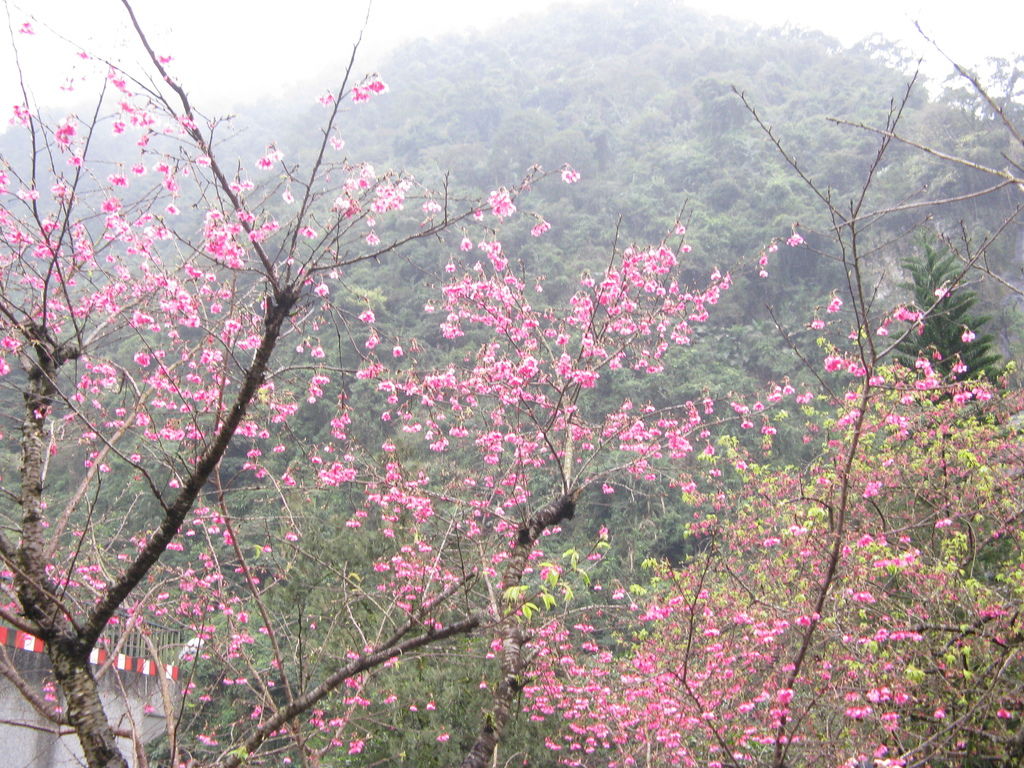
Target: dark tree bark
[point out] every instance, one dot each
(514, 638)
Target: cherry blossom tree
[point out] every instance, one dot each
(861, 609)
(910, 656)
(204, 386)
(148, 312)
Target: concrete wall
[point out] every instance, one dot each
(27, 740)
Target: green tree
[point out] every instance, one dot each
(949, 335)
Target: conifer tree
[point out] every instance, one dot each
(950, 337)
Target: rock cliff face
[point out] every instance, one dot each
(1018, 265)
(1014, 302)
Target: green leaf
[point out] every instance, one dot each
(551, 577)
(514, 594)
(574, 558)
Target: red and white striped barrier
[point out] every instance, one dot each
(27, 642)
(23, 641)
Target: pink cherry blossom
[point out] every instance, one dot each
(501, 203)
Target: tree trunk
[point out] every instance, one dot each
(68, 655)
(513, 636)
(84, 708)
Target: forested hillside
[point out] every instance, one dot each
(619, 387)
(642, 102)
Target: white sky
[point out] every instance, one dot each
(226, 49)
